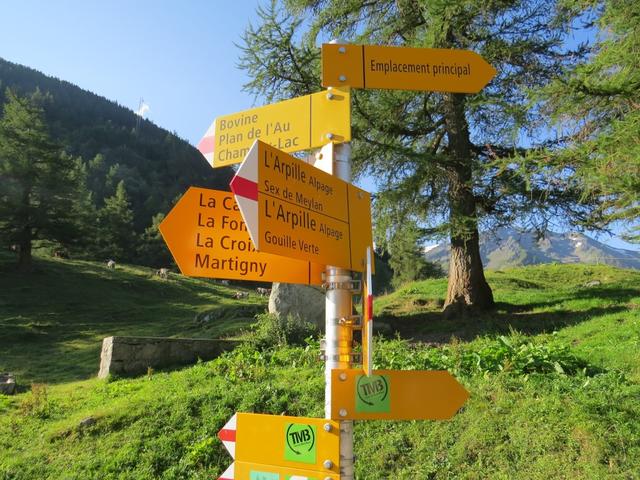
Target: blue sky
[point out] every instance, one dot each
(177, 55)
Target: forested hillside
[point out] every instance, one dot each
(155, 165)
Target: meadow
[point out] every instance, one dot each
(553, 372)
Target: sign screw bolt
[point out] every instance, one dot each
(342, 78)
(342, 412)
(330, 95)
(342, 49)
(327, 464)
(327, 427)
(330, 136)
(343, 376)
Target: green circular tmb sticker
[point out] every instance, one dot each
(300, 443)
(373, 394)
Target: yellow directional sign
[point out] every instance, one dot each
(208, 238)
(304, 443)
(292, 125)
(402, 68)
(395, 395)
(256, 471)
(295, 210)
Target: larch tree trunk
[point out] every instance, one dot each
(468, 289)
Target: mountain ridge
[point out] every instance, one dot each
(156, 165)
(508, 247)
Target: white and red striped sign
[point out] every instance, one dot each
(228, 435)
(367, 327)
(206, 144)
(229, 473)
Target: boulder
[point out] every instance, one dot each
(7, 384)
(135, 355)
(302, 302)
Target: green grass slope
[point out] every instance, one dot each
(553, 376)
(52, 321)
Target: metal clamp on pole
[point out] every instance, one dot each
(353, 321)
(353, 286)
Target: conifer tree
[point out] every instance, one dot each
(116, 237)
(38, 183)
(436, 156)
(152, 249)
(597, 105)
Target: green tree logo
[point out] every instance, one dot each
(300, 443)
(373, 394)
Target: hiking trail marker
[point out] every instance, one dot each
(294, 210)
(395, 395)
(281, 447)
(367, 317)
(403, 68)
(208, 238)
(292, 125)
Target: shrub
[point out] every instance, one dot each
(271, 331)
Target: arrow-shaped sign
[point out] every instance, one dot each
(292, 125)
(295, 210)
(208, 238)
(229, 473)
(272, 443)
(395, 395)
(402, 68)
(228, 435)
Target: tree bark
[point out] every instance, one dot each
(468, 289)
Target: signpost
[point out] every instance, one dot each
(208, 238)
(281, 445)
(292, 125)
(295, 210)
(395, 395)
(402, 68)
(291, 219)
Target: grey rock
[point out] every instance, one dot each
(7, 384)
(593, 283)
(135, 355)
(300, 301)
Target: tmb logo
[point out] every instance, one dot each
(300, 443)
(372, 394)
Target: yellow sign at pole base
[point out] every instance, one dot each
(256, 471)
(291, 442)
(395, 395)
(403, 68)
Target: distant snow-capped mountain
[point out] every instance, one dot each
(510, 248)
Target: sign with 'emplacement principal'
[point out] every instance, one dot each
(295, 210)
(404, 68)
(292, 125)
(208, 238)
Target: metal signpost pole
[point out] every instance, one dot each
(339, 335)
